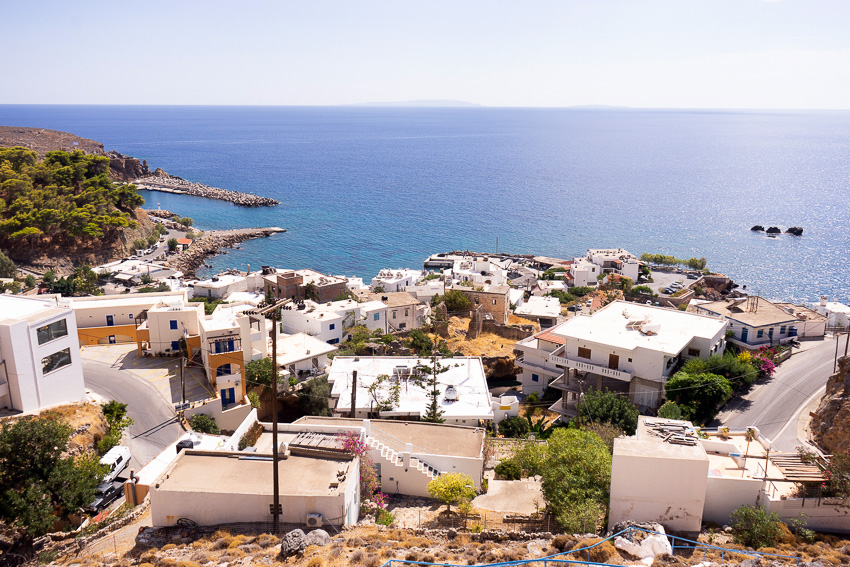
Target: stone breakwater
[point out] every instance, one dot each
(193, 258)
(161, 181)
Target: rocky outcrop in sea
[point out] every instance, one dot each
(162, 181)
(213, 243)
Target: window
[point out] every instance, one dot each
(175, 345)
(172, 324)
(583, 352)
(407, 314)
(782, 330)
(693, 352)
(333, 341)
(394, 314)
(760, 333)
(477, 300)
(494, 302)
(56, 361)
(52, 331)
(402, 325)
(131, 316)
(535, 378)
(333, 326)
(377, 317)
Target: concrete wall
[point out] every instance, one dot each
(724, 495)
(209, 508)
(472, 466)
(229, 419)
(827, 516)
(668, 491)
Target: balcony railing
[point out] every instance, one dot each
(565, 407)
(590, 367)
(222, 345)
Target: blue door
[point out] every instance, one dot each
(744, 332)
(770, 334)
(110, 321)
(228, 397)
(223, 369)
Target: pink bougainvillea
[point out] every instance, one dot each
(372, 499)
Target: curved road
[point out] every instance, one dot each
(154, 423)
(776, 405)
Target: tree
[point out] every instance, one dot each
(515, 426)
(699, 395)
(260, 372)
(670, 410)
(140, 244)
(8, 269)
(755, 527)
(172, 244)
(642, 290)
(117, 421)
(384, 398)
(576, 471)
(609, 407)
(433, 412)
(311, 292)
(456, 301)
(581, 290)
(738, 369)
(452, 488)
(419, 342)
(29, 281)
(39, 483)
(313, 397)
(203, 423)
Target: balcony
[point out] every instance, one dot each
(224, 344)
(566, 408)
(589, 367)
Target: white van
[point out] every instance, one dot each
(117, 459)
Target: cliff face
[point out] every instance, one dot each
(831, 427)
(41, 141)
(63, 261)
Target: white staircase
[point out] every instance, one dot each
(393, 457)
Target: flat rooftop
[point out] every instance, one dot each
(658, 438)
(248, 473)
(621, 324)
(300, 346)
(435, 438)
(540, 307)
(123, 300)
(393, 299)
(765, 312)
(30, 308)
(465, 374)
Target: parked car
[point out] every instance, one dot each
(107, 493)
(676, 285)
(116, 459)
(693, 276)
(670, 290)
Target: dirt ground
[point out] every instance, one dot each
(487, 344)
(83, 417)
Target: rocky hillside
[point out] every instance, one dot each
(41, 141)
(831, 427)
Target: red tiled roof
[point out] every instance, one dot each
(549, 337)
(184, 241)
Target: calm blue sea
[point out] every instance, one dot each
(364, 188)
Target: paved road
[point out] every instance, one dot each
(775, 406)
(154, 424)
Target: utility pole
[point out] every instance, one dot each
(273, 312)
(353, 394)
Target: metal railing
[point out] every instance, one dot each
(567, 557)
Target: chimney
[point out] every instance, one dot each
(823, 300)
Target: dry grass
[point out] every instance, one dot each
(77, 415)
(487, 344)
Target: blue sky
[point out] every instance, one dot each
(646, 53)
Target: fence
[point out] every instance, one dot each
(482, 522)
(582, 556)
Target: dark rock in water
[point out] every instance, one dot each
(773, 230)
(795, 230)
(758, 228)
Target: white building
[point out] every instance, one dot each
(40, 364)
(624, 347)
(479, 270)
(396, 280)
(536, 369)
(223, 286)
(425, 291)
(545, 310)
(110, 319)
(754, 321)
(464, 397)
(354, 283)
(328, 321)
(302, 356)
(837, 314)
(584, 272)
(408, 454)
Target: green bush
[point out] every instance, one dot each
(670, 410)
(509, 470)
(203, 423)
(609, 407)
(698, 395)
(580, 291)
(514, 427)
(754, 527)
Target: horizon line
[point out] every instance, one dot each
(462, 106)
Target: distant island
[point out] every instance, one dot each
(423, 103)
